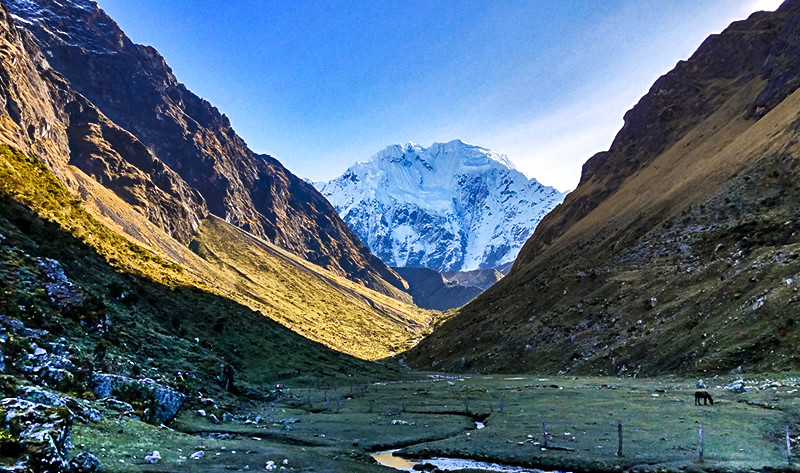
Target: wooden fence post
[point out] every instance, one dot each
(491, 409)
(544, 434)
(310, 401)
(371, 403)
(700, 437)
(619, 434)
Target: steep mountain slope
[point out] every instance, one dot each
(58, 282)
(187, 147)
(449, 207)
(431, 290)
(679, 249)
(127, 201)
(316, 303)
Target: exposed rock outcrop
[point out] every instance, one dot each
(158, 403)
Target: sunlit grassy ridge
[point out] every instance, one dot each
(28, 181)
(230, 262)
(306, 298)
(147, 328)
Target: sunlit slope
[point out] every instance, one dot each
(680, 249)
(302, 296)
(306, 298)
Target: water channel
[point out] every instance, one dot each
(387, 458)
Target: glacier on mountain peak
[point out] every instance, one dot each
(449, 207)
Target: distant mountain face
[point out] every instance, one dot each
(679, 251)
(124, 120)
(450, 207)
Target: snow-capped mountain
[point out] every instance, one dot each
(450, 207)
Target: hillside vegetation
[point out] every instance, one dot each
(679, 250)
(229, 262)
(140, 314)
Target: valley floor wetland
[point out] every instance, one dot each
(470, 423)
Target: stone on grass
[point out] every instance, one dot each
(152, 457)
(85, 463)
(197, 455)
(700, 384)
(738, 386)
(213, 419)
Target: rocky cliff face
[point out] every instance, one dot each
(135, 129)
(450, 207)
(678, 251)
(46, 117)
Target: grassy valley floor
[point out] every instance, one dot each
(428, 416)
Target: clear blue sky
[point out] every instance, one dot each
(322, 84)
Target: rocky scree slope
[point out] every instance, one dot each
(184, 143)
(679, 251)
(449, 207)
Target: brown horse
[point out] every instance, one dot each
(704, 396)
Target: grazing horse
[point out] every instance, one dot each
(698, 395)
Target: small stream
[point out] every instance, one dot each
(387, 458)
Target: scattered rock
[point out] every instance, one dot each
(153, 457)
(165, 402)
(86, 462)
(42, 431)
(737, 370)
(270, 466)
(40, 396)
(738, 386)
(208, 402)
(121, 407)
(290, 420)
(200, 412)
(226, 417)
(57, 368)
(700, 384)
(213, 419)
(197, 455)
(61, 291)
